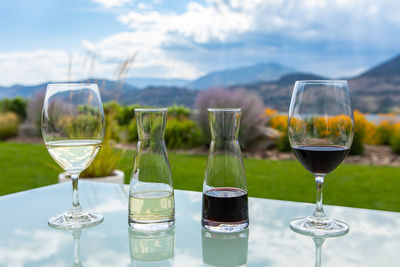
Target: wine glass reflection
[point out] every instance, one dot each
(224, 249)
(155, 248)
(76, 235)
(318, 241)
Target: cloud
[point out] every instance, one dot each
(111, 3)
(33, 66)
(330, 37)
(38, 245)
(201, 23)
(151, 57)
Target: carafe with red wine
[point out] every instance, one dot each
(320, 130)
(225, 205)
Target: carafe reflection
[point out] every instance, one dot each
(224, 249)
(152, 248)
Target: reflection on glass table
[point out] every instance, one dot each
(224, 249)
(154, 248)
(318, 241)
(77, 254)
(271, 243)
(76, 234)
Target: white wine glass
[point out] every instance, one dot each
(320, 130)
(73, 131)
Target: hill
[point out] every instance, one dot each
(240, 76)
(376, 90)
(277, 94)
(142, 83)
(388, 68)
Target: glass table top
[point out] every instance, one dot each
(27, 240)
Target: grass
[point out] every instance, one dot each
(26, 166)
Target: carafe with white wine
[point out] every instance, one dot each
(73, 131)
(151, 194)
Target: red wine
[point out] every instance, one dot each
(320, 159)
(226, 205)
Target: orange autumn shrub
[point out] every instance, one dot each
(360, 133)
(395, 138)
(384, 131)
(279, 122)
(270, 113)
(371, 135)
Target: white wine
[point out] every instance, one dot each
(74, 155)
(151, 207)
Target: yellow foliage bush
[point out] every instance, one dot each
(270, 113)
(395, 138)
(384, 131)
(279, 122)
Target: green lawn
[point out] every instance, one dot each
(25, 166)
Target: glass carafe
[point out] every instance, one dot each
(225, 205)
(151, 193)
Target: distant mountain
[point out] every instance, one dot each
(240, 76)
(277, 94)
(142, 83)
(388, 68)
(110, 90)
(20, 90)
(160, 96)
(290, 79)
(376, 90)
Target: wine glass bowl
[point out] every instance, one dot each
(320, 130)
(73, 131)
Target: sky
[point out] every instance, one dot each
(58, 40)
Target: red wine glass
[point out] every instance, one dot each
(320, 130)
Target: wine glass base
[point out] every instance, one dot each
(313, 227)
(76, 221)
(224, 227)
(154, 226)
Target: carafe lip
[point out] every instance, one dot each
(151, 109)
(224, 109)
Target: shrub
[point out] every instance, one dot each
(9, 122)
(108, 157)
(17, 105)
(132, 132)
(395, 138)
(384, 131)
(252, 113)
(34, 110)
(279, 122)
(372, 136)
(179, 112)
(360, 132)
(126, 114)
(182, 134)
(80, 126)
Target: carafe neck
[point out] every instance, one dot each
(151, 123)
(224, 124)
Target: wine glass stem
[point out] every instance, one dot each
(319, 209)
(77, 258)
(318, 251)
(76, 207)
